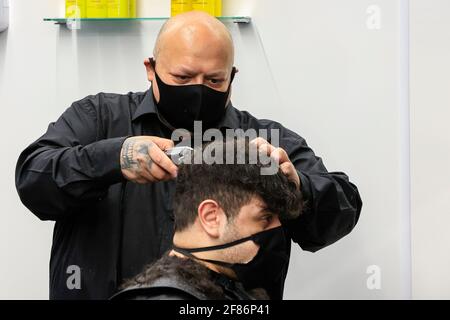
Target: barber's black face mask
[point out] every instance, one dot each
(181, 105)
(264, 269)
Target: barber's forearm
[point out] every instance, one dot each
(53, 181)
(332, 209)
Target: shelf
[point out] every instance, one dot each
(73, 23)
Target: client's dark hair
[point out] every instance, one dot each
(232, 185)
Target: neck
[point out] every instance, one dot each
(187, 240)
(218, 269)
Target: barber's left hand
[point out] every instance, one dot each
(282, 158)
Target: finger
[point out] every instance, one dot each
(144, 174)
(163, 161)
(159, 174)
(142, 180)
(280, 155)
(259, 141)
(266, 148)
(163, 144)
(289, 171)
(286, 168)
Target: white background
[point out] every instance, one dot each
(324, 69)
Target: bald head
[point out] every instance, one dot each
(195, 30)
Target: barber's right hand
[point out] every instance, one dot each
(142, 159)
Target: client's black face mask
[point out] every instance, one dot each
(181, 105)
(264, 269)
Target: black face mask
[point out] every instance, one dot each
(264, 269)
(181, 105)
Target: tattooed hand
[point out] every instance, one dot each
(143, 160)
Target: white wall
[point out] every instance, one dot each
(339, 86)
(430, 111)
(323, 73)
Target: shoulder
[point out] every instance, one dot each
(111, 112)
(268, 127)
(176, 277)
(110, 103)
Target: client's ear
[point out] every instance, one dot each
(211, 217)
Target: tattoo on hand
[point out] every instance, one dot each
(144, 149)
(129, 157)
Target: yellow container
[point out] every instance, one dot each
(118, 9)
(218, 8)
(75, 8)
(96, 8)
(133, 10)
(180, 6)
(208, 6)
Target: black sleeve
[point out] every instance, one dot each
(70, 166)
(332, 202)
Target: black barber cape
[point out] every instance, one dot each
(173, 278)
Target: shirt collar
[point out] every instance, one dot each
(147, 106)
(230, 119)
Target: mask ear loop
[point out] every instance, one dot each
(217, 247)
(233, 74)
(153, 63)
(252, 237)
(189, 252)
(190, 255)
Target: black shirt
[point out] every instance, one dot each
(109, 227)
